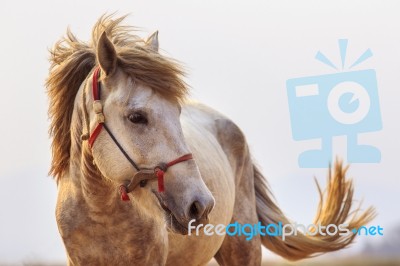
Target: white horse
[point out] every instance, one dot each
(122, 129)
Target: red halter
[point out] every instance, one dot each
(142, 174)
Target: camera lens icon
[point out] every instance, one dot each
(348, 103)
(339, 104)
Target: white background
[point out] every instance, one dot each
(239, 55)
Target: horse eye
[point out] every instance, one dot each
(138, 118)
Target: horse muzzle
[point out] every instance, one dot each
(177, 221)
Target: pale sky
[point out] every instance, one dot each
(239, 55)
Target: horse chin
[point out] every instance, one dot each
(173, 224)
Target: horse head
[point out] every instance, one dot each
(139, 106)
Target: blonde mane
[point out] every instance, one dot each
(72, 60)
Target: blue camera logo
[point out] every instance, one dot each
(344, 103)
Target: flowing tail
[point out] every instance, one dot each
(334, 208)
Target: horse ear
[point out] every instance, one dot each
(106, 55)
(152, 41)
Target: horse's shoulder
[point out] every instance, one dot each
(231, 139)
(228, 134)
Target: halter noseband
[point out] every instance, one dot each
(142, 175)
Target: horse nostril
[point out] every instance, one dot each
(200, 209)
(196, 210)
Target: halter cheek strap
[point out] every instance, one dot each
(142, 175)
(97, 108)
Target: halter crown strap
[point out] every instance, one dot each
(142, 174)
